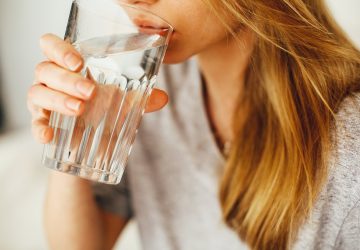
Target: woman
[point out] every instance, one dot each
(257, 148)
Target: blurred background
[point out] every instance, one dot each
(22, 178)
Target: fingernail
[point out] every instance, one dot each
(73, 104)
(72, 61)
(85, 88)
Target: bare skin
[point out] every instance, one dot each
(224, 67)
(71, 212)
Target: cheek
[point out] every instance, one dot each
(191, 42)
(193, 33)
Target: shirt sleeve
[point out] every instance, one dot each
(115, 199)
(349, 234)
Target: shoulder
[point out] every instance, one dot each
(347, 118)
(338, 202)
(346, 135)
(345, 155)
(343, 184)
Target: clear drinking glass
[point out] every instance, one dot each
(123, 47)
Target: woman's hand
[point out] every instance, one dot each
(58, 86)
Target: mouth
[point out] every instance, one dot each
(148, 27)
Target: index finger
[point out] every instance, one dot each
(61, 52)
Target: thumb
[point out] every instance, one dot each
(157, 100)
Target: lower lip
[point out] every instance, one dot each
(152, 30)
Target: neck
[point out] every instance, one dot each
(224, 67)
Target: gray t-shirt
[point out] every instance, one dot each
(172, 178)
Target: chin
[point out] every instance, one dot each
(173, 56)
(170, 59)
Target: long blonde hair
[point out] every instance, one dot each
(301, 69)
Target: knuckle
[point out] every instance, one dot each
(35, 132)
(33, 129)
(30, 93)
(39, 69)
(29, 106)
(29, 103)
(44, 38)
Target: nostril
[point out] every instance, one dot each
(141, 2)
(133, 2)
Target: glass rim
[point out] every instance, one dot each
(137, 8)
